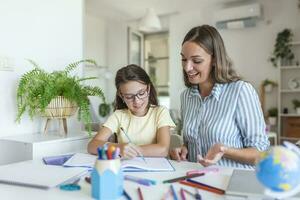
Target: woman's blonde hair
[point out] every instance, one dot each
(208, 38)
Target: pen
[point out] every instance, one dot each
(197, 195)
(186, 191)
(126, 195)
(138, 180)
(174, 192)
(202, 186)
(204, 170)
(140, 194)
(182, 178)
(128, 138)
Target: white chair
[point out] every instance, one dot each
(176, 141)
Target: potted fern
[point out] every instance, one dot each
(268, 85)
(56, 95)
(296, 103)
(272, 115)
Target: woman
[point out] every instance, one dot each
(146, 125)
(222, 119)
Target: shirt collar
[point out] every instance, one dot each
(216, 91)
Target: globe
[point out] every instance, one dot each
(279, 171)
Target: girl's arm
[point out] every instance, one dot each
(161, 148)
(99, 139)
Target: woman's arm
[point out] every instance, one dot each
(99, 139)
(248, 155)
(161, 148)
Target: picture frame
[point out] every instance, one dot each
(135, 47)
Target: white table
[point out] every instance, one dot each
(219, 179)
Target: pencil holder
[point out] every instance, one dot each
(107, 179)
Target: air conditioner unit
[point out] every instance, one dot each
(238, 17)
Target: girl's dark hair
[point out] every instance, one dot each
(133, 73)
(208, 38)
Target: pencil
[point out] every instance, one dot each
(202, 186)
(128, 138)
(182, 178)
(140, 194)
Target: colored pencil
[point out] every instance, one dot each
(140, 194)
(182, 178)
(202, 186)
(182, 194)
(174, 192)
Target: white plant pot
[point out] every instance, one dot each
(298, 110)
(268, 88)
(272, 120)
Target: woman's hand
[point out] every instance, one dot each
(129, 150)
(179, 153)
(214, 154)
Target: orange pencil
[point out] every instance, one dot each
(202, 186)
(140, 194)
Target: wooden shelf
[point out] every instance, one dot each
(290, 67)
(289, 91)
(289, 138)
(289, 115)
(295, 43)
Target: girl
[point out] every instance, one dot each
(146, 124)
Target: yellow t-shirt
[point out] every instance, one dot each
(141, 130)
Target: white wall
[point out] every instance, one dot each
(249, 48)
(95, 47)
(49, 32)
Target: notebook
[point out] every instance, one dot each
(38, 175)
(135, 164)
(152, 164)
(245, 183)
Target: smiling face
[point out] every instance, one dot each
(196, 63)
(136, 97)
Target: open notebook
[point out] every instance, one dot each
(38, 175)
(136, 164)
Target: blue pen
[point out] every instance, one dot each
(138, 180)
(128, 138)
(126, 195)
(174, 192)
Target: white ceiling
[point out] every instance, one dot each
(134, 9)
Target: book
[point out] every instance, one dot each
(38, 175)
(57, 160)
(135, 164)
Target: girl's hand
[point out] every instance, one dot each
(215, 153)
(179, 153)
(128, 150)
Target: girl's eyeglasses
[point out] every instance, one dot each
(140, 95)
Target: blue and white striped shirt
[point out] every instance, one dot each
(230, 115)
